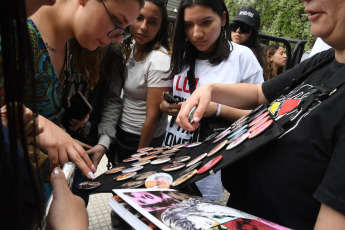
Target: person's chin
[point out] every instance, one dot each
(319, 30)
(236, 41)
(140, 40)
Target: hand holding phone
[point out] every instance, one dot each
(169, 98)
(78, 109)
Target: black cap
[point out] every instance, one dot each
(248, 15)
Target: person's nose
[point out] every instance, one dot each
(197, 33)
(143, 26)
(238, 30)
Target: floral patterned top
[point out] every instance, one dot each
(49, 90)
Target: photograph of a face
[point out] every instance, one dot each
(152, 200)
(199, 213)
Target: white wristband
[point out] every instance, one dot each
(219, 108)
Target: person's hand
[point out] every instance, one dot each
(61, 147)
(31, 128)
(170, 109)
(97, 153)
(67, 211)
(76, 124)
(201, 98)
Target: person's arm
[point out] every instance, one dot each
(328, 218)
(158, 67)
(240, 95)
(67, 211)
(330, 192)
(110, 112)
(153, 113)
(226, 112)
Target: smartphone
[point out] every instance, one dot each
(78, 109)
(169, 98)
(69, 169)
(191, 114)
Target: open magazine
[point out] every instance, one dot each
(171, 209)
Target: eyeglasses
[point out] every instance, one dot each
(118, 30)
(245, 29)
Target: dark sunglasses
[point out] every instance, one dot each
(244, 28)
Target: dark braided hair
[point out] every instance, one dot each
(16, 68)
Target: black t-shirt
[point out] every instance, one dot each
(287, 180)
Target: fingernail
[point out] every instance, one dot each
(85, 120)
(93, 168)
(90, 174)
(56, 171)
(196, 119)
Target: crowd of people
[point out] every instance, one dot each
(121, 56)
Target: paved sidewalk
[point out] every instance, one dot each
(99, 210)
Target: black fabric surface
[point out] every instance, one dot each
(229, 157)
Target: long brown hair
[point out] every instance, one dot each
(269, 51)
(87, 62)
(15, 165)
(162, 38)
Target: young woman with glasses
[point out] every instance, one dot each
(147, 63)
(245, 29)
(90, 23)
(93, 24)
(202, 54)
(69, 28)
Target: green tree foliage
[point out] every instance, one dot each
(281, 18)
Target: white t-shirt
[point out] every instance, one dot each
(140, 76)
(241, 66)
(318, 47)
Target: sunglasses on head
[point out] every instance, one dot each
(244, 28)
